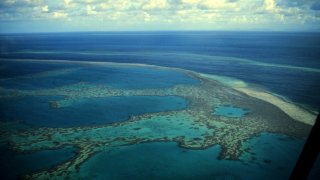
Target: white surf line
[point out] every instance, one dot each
(294, 111)
(85, 62)
(289, 108)
(207, 57)
(108, 63)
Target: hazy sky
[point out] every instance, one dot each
(123, 15)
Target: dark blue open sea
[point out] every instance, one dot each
(261, 58)
(284, 63)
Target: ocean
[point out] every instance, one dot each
(272, 60)
(162, 119)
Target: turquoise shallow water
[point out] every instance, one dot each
(36, 111)
(13, 164)
(229, 111)
(168, 161)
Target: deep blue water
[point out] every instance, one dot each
(27, 75)
(14, 164)
(190, 50)
(168, 161)
(36, 111)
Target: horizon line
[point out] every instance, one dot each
(182, 30)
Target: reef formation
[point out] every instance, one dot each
(195, 127)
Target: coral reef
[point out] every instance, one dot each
(195, 127)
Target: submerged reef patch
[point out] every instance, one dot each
(230, 111)
(194, 127)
